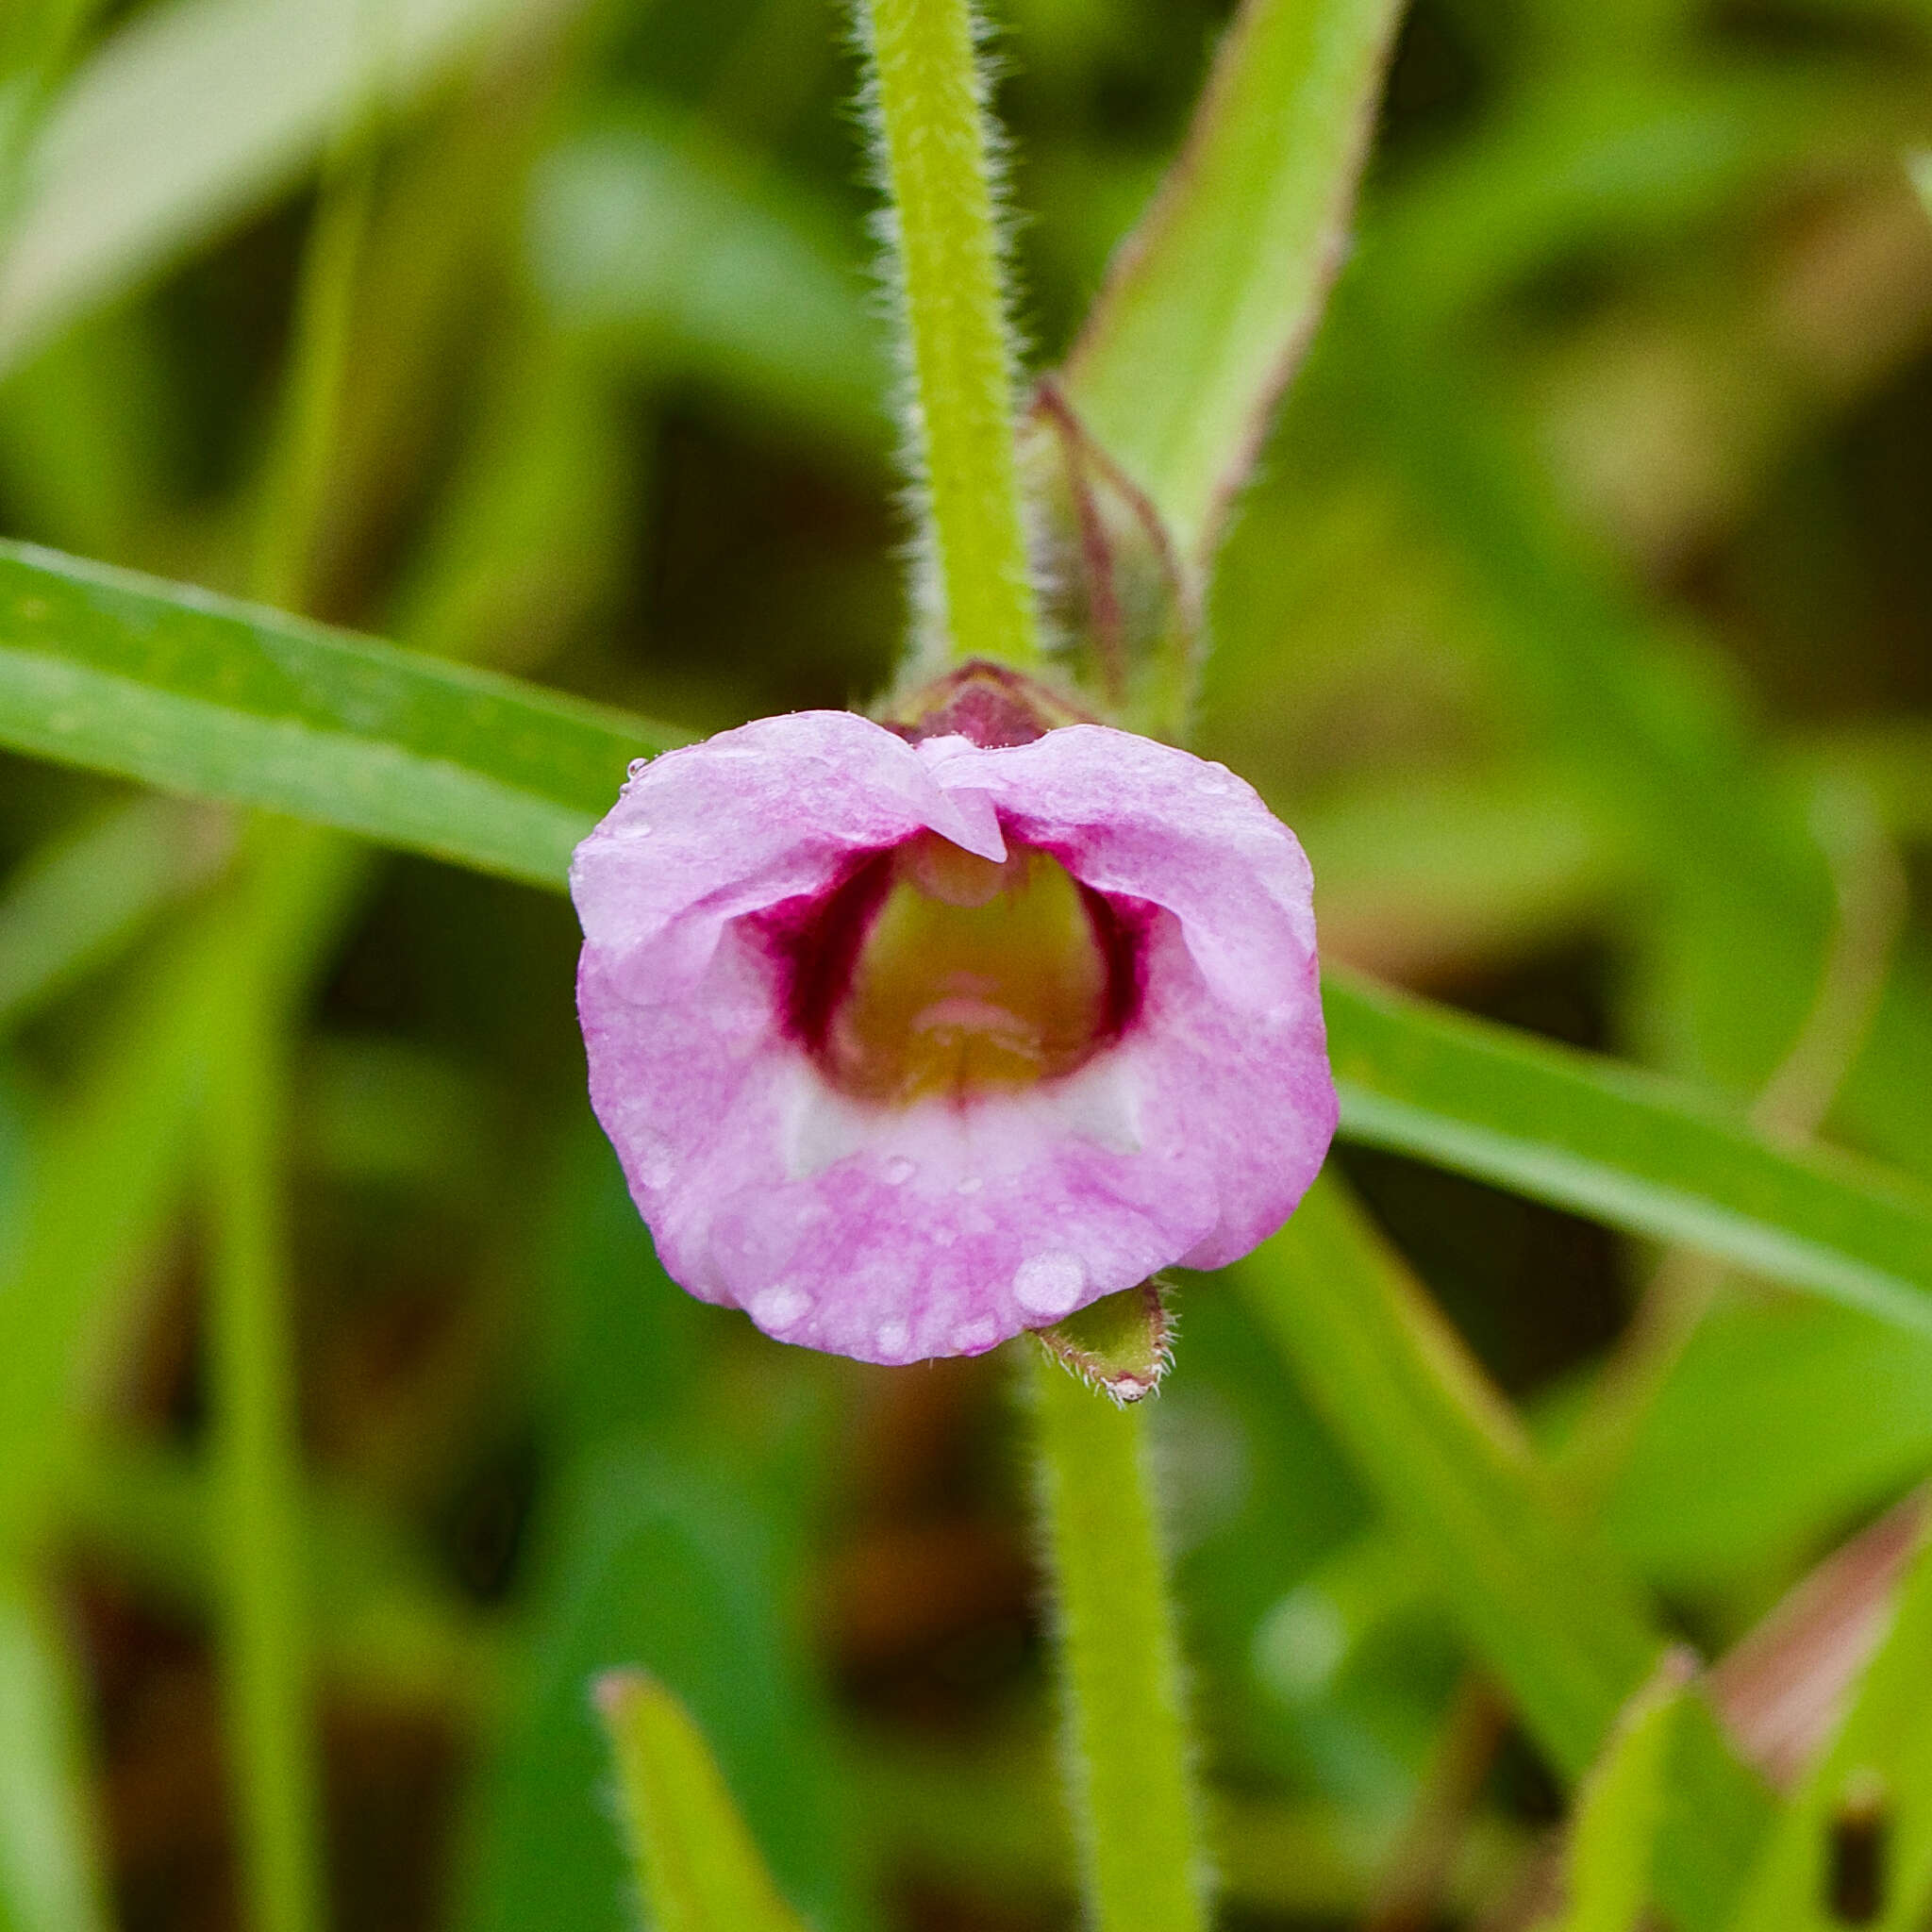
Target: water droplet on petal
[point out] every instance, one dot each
(1049, 1285)
(893, 1338)
(973, 1337)
(898, 1171)
(636, 766)
(779, 1307)
(972, 1184)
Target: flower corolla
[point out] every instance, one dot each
(905, 1047)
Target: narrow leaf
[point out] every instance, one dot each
(1540, 1600)
(1623, 1146)
(696, 1864)
(84, 895)
(198, 694)
(48, 1876)
(1855, 1845)
(1220, 287)
(1620, 1809)
(664, 247)
(192, 115)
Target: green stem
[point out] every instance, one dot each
(937, 168)
(265, 1649)
(1120, 1668)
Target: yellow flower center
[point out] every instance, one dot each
(973, 974)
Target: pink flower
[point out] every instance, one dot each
(907, 1048)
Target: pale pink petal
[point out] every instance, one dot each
(894, 1234)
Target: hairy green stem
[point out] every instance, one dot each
(938, 165)
(1127, 1748)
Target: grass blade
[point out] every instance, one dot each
(1855, 1845)
(82, 898)
(1220, 287)
(1613, 1836)
(192, 115)
(1541, 1601)
(48, 1882)
(696, 1864)
(196, 692)
(1623, 1146)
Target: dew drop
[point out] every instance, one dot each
(898, 1171)
(893, 1338)
(779, 1307)
(971, 1184)
(1049, 1285)
(973, 1338)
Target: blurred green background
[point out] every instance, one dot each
(1581, 621)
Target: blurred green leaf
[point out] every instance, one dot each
(1541, 1601)
(659, 242)
(1624, 1146)
(197, 694)
(197, 112)
(80, 898)
(697, 1868)
(48, 1878)
(1619, 1810)
(670, 1563)
(1867, 1799)
(1219, 288)
(1551, 1614)
(1783, 1420)
(109, 1167)
(386, 1622)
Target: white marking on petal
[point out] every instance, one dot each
(972, 1184)
(1049, 1285)
(780, 1308)
(1098, 1104)
(893, 1338)
(971, 1338)
(898, 1171)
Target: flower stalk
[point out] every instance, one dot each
(937, 163)
(1126, 1738)
(1141, 1867)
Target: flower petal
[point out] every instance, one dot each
(897, 1233)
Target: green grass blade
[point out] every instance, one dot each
(83, 897)
(670, 252)
(197, 694)
(1220, 287)
(1540, 1600)
(1873, 1779)
(1619, 1810)
(48, 1880)
(696, 1864)
(196, 113)
(1623, 1146)
(1568, 1634)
